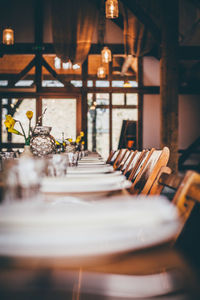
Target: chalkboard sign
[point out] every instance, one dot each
(128, 136)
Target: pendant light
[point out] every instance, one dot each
(112, 9)
(8, 36)
(101, 72)
(106, 55)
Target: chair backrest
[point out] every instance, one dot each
(145, 177)
(110, 156)
(187, 192)
(119, 157)
(123, 160)
(114, 157)
(126, 161)
(135, 163)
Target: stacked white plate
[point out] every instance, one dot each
(84, 184)
(90, 230)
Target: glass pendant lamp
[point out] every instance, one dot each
(112, 9)
(8, 36)
(106, 55)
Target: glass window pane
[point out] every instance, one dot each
(117, 83)
(102, 83)
(133, 83)
(20, 114)
(24, 83)
(3, 128)
(90, 83)
(90, 99)
(117, 99)
(3, 82)
(61, 116)
(98, 131)
(77, 83)
(102, 99)
(52, 83)
(102, 134)
(118, 115)
(131, 99)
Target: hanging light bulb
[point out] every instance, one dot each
(101, 72)
(106, 55)
(57, 63)
(112, 9)
(8, 36)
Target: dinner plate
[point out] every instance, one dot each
(91, 175)
(95, 170)
(84, 231)
(94, 162)
(84, 185)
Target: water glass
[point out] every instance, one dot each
(22, 178)
(57, 165)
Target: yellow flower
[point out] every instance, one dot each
(29, 114)
(83, 143)
(81, 133)
(70, 140)
(57, 143)
(12, 130)
(78, 139)
(8, 124)
(10, 119)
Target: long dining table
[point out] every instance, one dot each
(88, 238)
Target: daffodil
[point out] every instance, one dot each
(12, 130)
(70, 140)
(78, 139)
(29, 114)
(10, 123)
(82, 134)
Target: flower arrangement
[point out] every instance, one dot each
(10, 124)
(78, 144)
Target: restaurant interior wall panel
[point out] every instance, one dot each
(20, 17)
(151, 71)
(189, 119)
(113, 34)
(151, 121)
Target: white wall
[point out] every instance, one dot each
(189, 119)
(151, 121)
(151, 71)
(189, 111)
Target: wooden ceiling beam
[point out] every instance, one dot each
(185, 52)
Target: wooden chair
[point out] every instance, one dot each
(112, 152)
(126, 161)
(119, 157)
(122, 159)
(187, 192)
(113, 157)
(134, 162)
(144, 177)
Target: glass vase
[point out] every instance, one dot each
(42, 143)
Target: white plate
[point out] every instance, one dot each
(94, 162)
(102, 228)
(94, 170)
(83, 185)
(91, 175)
